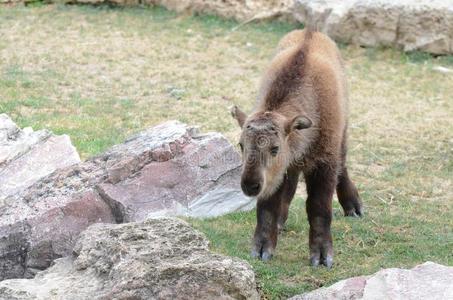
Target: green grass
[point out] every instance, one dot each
(390, 235)
(100, 74)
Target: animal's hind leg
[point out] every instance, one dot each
(348, 195)
(346, 191)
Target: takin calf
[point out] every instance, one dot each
(298, 126)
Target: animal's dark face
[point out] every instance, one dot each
(265, 150)
(262, 146)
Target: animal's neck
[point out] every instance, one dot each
(288, 109)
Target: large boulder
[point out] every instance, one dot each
(27, 156)
(173, 170)
(201, 180)
(425, 281)
(170, 169)
(424, 25)
(161, 258)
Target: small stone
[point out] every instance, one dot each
(443, 70)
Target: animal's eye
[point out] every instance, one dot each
(241, 146)
(274, 150)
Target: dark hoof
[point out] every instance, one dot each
(322, 257)
(352, 213)
(263, 255)
(315, 261)
(328, 261)
(266, 256)
(355, 212)
(255, 254)
(260, 252)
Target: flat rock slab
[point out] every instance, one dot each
(161, 258)
(170, 169)
(425, 281)
(425, 25)
(27, 156)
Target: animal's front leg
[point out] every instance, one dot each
(266, 232)
(289, 187)
(320, 188)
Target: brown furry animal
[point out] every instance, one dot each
(298, 126)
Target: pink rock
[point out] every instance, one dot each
(169, 169)
(425, 281)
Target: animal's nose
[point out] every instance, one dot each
(251, 188)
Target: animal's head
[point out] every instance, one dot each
(265, 148)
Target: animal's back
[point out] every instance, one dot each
(321, 53)
(317, 44)
(321, 62)
(319, 91)
(325, 67)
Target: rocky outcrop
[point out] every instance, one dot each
(425, 281)
(232, 9)
(423, 25)
(160, 258)
(170, 169)
(27, 156)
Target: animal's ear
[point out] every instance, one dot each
(298, 123)
(238, 114)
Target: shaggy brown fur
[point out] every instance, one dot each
(298, 126)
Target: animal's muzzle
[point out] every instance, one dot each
(251, 188)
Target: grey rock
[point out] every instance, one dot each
(27, 156)
(15, 142)
(8, 129)
(424, 25)
(161, 258)
(218, 202)
(169, 169)
(425, 281)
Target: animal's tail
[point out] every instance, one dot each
(317, 24)
(314, 25)
(310, 29)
